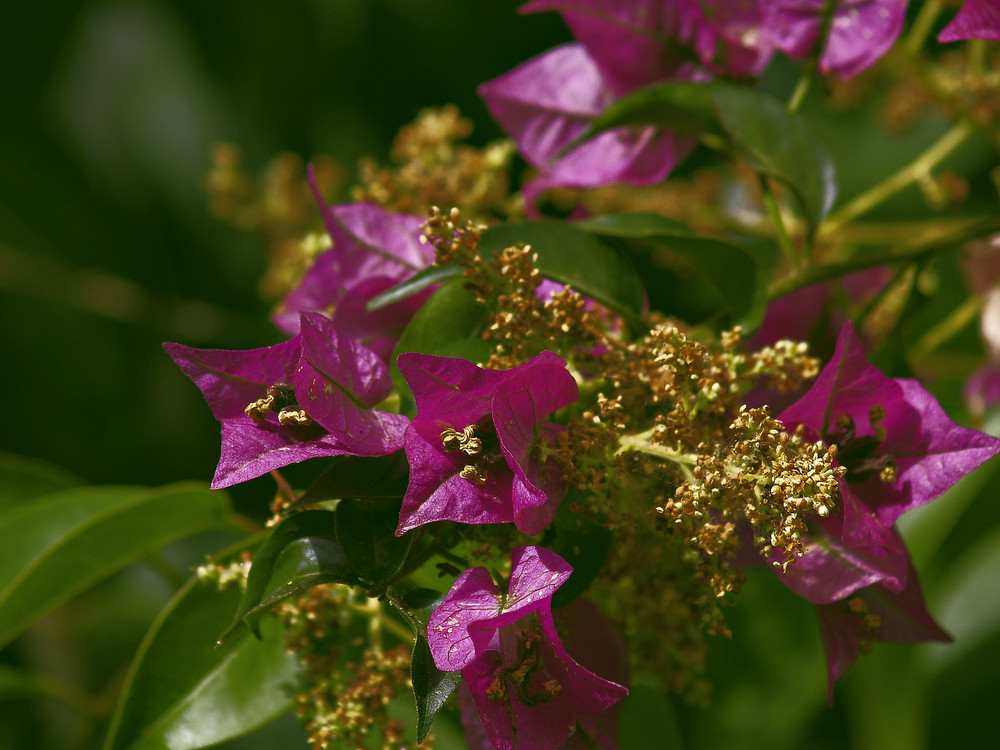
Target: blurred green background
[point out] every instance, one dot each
(110, 109)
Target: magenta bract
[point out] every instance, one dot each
(892, 617)
(528, 692)
(549, 101)
(976, 19)
(308, 397)
(373, 250)
(900, 448)
(471, 446)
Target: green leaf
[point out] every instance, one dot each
(449, 324)
(450, 317)
(728, 268)
(23, 478)
(574, 257)
(366, 531)
(383, 477)
(417, 283)
(183, 691)
(431, 686)
(63, 543)
(301, 565)
(582, 543)
(756, 126)
(313, 557)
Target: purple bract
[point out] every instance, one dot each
(307, 397)
(549, 101)
(472, 444)
(976, 19)
(373, 250)
(901, 451)
(528, 692)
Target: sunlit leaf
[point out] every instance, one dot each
(183, 691)
(416, 283)
(314, 557)
(59, 545)
(771, 140)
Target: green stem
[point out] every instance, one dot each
(922, 26)
(912, 172)
(774, 214)
(800, 91)
(914, 251)
(372, 609)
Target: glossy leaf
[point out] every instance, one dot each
(317, 556)
(727, 267)
(183, 691)
(428, 277)
(382, 477)
(449, 323)
(23, 478)
(771, 140)
(431, 686)
(63, 543)
(304, 563)
(570, 256)
(366, 531)
(583, 544)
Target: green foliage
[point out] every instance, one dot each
(187, 691)
(757, 127)
(60, 544)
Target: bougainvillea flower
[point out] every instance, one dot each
(849, 628)
(976, 19)
(527, 690)
(637, 43)
(833, 569)
(373, 250)
(549, 101)
(304, 398)
(471, 446)
(900, 449)
(861, 32)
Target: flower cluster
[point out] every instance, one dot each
(538, 433)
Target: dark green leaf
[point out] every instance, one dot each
(23, 478)
(183, 691)
(571, 256)
(304, 563)
(583, 544)
(366, 531)
(383, 477)
(727, 267)
(60, 544)
(417, 283)
(317, 555)
(449, 324)
(431, 686)
(771, 140)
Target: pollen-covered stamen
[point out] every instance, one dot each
(294, 416)
(279, 397)
(524, 672)
(465, 441)
(473, 473)
(862, 455)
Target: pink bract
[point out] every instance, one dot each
(528, 692)
(504, 411)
